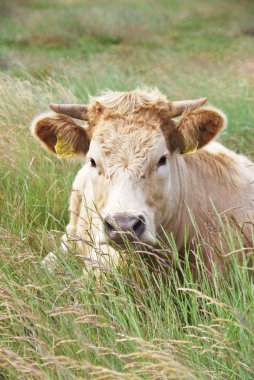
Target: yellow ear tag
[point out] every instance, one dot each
(190, 151)
(64, 149)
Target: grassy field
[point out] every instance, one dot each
(60, 326)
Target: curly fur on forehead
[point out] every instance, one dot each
(126, 126)
(130, 101)
(125, 146)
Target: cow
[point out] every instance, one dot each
(151, 168)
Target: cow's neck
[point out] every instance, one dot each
(177, 188)
(196, 189)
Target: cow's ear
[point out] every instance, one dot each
(60, 134)
(197, 128)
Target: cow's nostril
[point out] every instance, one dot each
(139, 226)
(109, 227)
(119, 224)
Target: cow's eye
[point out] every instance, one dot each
(93, 163)
(162, 161)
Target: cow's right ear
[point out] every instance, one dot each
(59, 134)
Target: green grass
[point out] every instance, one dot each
(60, 325)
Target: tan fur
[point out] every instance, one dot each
(128, 133)
(50, 127)
(196, 129)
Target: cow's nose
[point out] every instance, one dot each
(131, 225)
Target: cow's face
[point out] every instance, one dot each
(131, 153)
(129, 169)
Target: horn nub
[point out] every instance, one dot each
(179, 107)
(78, 111)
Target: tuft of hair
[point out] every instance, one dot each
(129, 101)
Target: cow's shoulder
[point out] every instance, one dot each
(79, 188)
(221, 153)
(218, 149)
(81, 179)
(223, 165)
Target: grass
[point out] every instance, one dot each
(60, 325)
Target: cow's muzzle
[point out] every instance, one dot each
(123, 225)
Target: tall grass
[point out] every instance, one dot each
(133, 323)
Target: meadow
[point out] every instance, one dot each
(59, 325)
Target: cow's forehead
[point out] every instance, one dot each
(126, 128)
(113, 135)
(126, 144)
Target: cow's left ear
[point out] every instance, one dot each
(196, 128)
(60, 134)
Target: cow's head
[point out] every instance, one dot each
(133, 145)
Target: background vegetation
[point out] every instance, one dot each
(59, 325)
